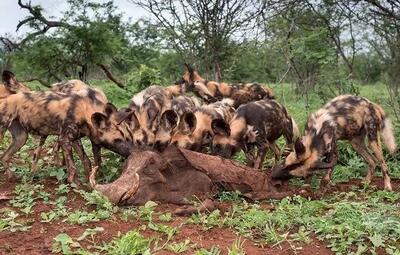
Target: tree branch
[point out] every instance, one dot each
(41, 81)
(110, 76)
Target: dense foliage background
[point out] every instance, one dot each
(327, 47)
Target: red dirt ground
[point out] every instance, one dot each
(39, 239)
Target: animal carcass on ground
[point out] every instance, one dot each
(177, 175)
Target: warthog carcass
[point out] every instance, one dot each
(177, 175)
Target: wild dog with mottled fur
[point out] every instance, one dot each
(80, 88)
(348, 118)
(68, 116)
(195, 131)
(11, 85)
(95, 96)
(241, 93)
(257, 124)
(148, 106)
(171, 119)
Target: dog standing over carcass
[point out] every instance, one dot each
(96, 96)
(348, 118)
(257, 124)
(172, 119)
(68, 116)
(147, 107)
(195, 131)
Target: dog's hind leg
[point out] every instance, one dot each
(360, 147)
(376, 147)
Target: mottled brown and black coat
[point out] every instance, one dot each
(68, 116)
(241, 93)
(195, 131)
(148, 106)
(171, 119)
(348, 118)
(80, 88)
(257, 124)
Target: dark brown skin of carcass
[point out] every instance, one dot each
(177, 175)
(158, 181)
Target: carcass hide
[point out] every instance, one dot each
(177, 175)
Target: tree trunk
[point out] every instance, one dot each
(217, 71)
(110, 76)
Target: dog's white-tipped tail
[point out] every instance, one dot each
(296, 132)
(387, 136)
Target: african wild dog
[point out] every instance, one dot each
(68, 116)
(199, 88)
(96, 96)
(11, 85)
(345, 117)
(80, 88)
(256, 124)
(148, 106)
(194, 131)
(241, 93)
(171, 118)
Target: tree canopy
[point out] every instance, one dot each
(314, 44)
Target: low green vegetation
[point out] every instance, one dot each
(362, 220)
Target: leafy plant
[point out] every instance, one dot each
(165, 217)
(237, 248)
(26, 195)
(130, 243)
(146, 212)
(179, 247)
(143, 77)
(63, 243)
(208, 221)
(59, 211)
(9, 222)
(90, 232)
(230, 196)
(213, 251)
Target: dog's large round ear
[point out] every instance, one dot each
(110, 109)
(188, 122)
(9, 78)
(100, 121)
(169, 119)
(221, 127)
(299, 147)
(152, 111)
(132, 121)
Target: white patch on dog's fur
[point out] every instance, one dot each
(138, 99)
(320, 117)
(227, 101)
(296, 132)
(250, 134)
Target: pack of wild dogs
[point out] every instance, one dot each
(221, 119)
